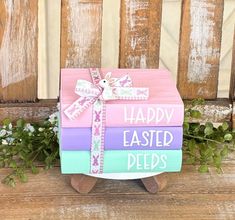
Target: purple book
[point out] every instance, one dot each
(129, 138)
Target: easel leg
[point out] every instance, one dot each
(83, 183)
(155, 184)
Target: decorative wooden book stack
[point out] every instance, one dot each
(119, 124)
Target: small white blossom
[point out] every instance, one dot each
(58, 106)
(29, 127)
(4, 142)
(53, 118)
(9, 132)
(3, 133)
(10, 126)
(10, 140)
(41, 129)
(55, 130)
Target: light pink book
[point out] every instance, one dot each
(164, 106)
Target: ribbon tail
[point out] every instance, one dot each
(97, 145)
(80, 105)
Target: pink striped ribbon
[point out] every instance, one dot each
(96, 94)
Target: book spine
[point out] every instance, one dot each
(129, 138)
(123, 161)
(136, 115)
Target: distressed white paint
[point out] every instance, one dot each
(137, 40)
(18, 47)
(82, 31)
(214, 113)
(135, 61)
(201, 38)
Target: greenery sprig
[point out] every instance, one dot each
(205, 144)
(25, 146)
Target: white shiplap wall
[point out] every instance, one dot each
(49, 42)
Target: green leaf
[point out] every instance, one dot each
(208, 130)
(224, 152)
(217, 160)
(195, 114)
(6, 121)
(192, 145)
(203, 169)
(225, 126)
(34, 170)
(20, 123)
(190, 160)
(23, 177)
(228, 137)
(186, 127)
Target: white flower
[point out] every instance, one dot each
(55, 130)
(53, 118)
(58, 106)
(10, 126)
(9, 132)
(10, 140)
(4, 142)
(3, 133)
(29, 127)
(41, 129)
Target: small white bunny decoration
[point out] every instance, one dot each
(106, 84)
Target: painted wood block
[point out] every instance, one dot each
(18, 50)
(81, 25)
(164, 106)
(136, 161)
(140, 33)
(127, 138)
(199, 52)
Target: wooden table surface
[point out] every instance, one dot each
(188, 195)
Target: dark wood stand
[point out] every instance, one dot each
(84, 184)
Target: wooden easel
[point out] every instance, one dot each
(84, 184)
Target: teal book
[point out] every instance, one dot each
(120, 161)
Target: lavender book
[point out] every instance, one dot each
(129, 138)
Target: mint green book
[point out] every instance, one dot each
(123, 161)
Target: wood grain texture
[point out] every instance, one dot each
(232, 79)
(140, 33)
(199, 50)
(81, 33)
(31, 112)
(188, 195)
(216, 111)
(18, 50)
(233, 116)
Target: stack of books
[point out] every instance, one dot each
(140, 136)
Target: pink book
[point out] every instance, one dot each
(164, 106)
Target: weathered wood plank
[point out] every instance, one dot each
(217, 111)
(189, 195)
(140, 33)
(199, 51)
(233, 116)
(31, 112)
(81, 33)
(18, 50)
(232, 79)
